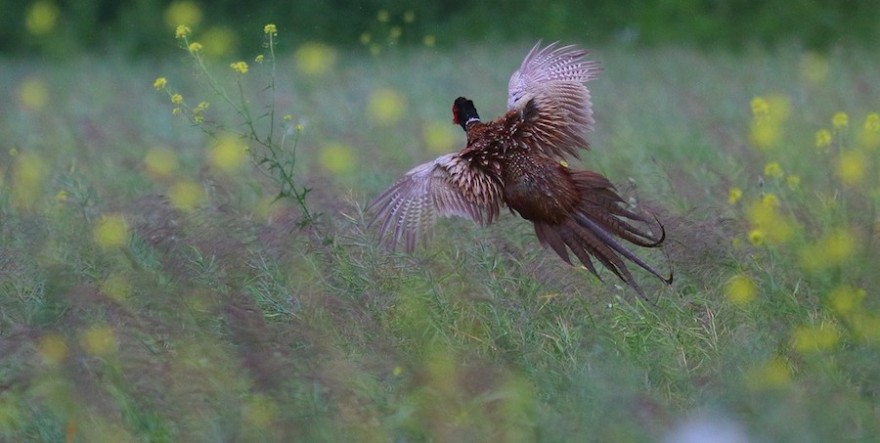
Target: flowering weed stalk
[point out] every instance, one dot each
(276, 156)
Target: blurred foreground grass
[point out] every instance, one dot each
(151, 290)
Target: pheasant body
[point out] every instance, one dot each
(516, 161)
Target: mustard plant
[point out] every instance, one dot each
(276, 142)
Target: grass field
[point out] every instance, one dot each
(152, 291)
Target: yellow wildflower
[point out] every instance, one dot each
(395, 32)
(851, 167)
(773, 170)
(111, 231)
(846, 300)
(756, 237)
(808, 339)
(338, 158)
(385, 106)
(315, 59)
(239, 67)
(741, 290)
(99, 340)
(186, 195)
(840, 120)
(287, 117)
(182, 31)
(734, 195)
(160, 83)
(176, 111)
(270, 29)
(228, 153)
(160, 161)
(183, 13)
(61, 196)
(775, 373)
(760, 107)
(383, 16)
(409, 17)
(429, 41)
(194, 47)
(870, 136)
(52, 349)
(823, 138)
(41, 17)
(365, 38)
(176, 99)
(259, 58)
(793, 182)
(872, 122)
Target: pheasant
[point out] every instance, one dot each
(517, 161)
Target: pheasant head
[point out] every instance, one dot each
(464, 112)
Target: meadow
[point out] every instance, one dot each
(154, 288)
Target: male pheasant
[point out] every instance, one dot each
(517, 161)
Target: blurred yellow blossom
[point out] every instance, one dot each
(872, 122)
(111, 231)
(28, 173)
(239, 67)
(756, 237)
(34, 94)
(186, 195)
(270, 29)
(41, 17)
(395, 32)
(219, 41)
(176, 99)
(117, 287)
(741, 290)
(760, 108)
(823, 138)
(160, 161)
(199, 112)
(833, 249)
(365, 38)
(194, 47)
(385, 106)
(182, 31)
(866, 326)
(765, 218)
(814, 68)
(439, 136)
(734, 195)
(846, 300)
(183, 13)
(870, 135)
(259, 59)
(773, 170)
(260, 410)
(337, 158)
(775, 373)
(383, 15)
(851, 167)
(160, 83)
(815, 338)
(793, 182)
(314, 59)
(840, 120)
(61, 196)
(409, 17)
(429, 40)
(99, 340)
(228, 153)
(52, 349)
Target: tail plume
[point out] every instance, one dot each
(596, 226)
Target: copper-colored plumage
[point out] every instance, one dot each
(515, 161)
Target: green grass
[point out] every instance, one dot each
(228, 321)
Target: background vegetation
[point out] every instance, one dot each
(153, 287)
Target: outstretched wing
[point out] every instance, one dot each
(552, 79)
(445, 187)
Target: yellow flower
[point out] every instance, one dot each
(52, 349)
(872, 122)
(429, 41)
(315, 59)
(395, 32)
(823, 138)
(439, 136)
(117, 287)
(183, 13)
(741, 290)
(809, 339)
(182, 31)
(194, 47)
(840, 120)
(756, 237)
(734, 195)
(34, 94)
(409, 17)
(775, 373)
(287, 117)
(239, 67)
(793, 182)
(111, 231)
(176, 111)
(851, 167)
(61, 196)
(186, 195)
(383, 15)
(259, 58)
(814, 68)
(176, 99)
(160, 83)
(260, 411)
(41, 17)
(386, 106)
(365, 38)
(228, 153)
(846, 300)
(773, 170)
(760, 107)
(338, 158)
(270, 29)
(99, 340)
(160, 161)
